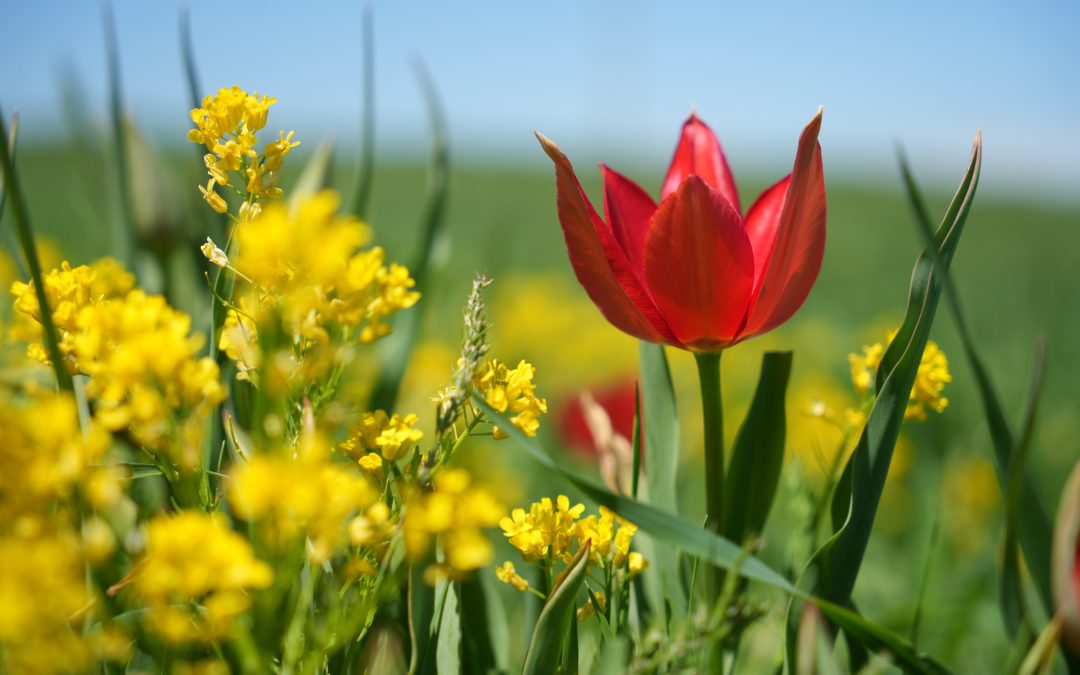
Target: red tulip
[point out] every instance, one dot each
(580, 433)
(694, 272)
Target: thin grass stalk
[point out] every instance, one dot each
(124, 235)
(25, 233)
(365, 172)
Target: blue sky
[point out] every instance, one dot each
(607, 80)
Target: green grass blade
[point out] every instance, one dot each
(841, 557)
(365, 169)
(25, 233)
(315, 175)
(714, 549)
(661, 429)
(1012, 600)
(397, 349)
(1034, 518)
(124, 234)
(758, 454)
(552, 627)
(483, 632)
(448, 637)
(421, 608)
(635, 441)
(8, 235)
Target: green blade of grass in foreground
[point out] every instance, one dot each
(1033, 518)
(365, 170)
(555, 619)
(839, 560)
(661, 426)
(757, 457)
(123, 234)
(25, 233)
(716, 550)
(8, 235)
(396, 350)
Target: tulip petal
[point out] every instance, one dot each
(699, 154)
(699, 265)
(599, 262)
(795, 259)
(627, 209)
(762, 222)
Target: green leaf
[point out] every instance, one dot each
(123, 234)
(397, 349)
(841, 557)
(483, 627)
(660, 415)
(758, 454)
(448, 649)
(365, 170)
(9, 235)
(636, 434)
(1033, 517)
(25, 232)
(1012, 598)
(421, 605)
(553, 625)
(714, 549)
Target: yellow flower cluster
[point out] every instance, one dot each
(145, 373)
(387, 437)
(226, 124)
(139, 352)
(551, 531)
(511, 390)
(42, 594)
(47, 459)
(926, 394)
(68, 289)
(546, 531)
(195, 576)
(307, 496)
(455, 512)
(306, 268)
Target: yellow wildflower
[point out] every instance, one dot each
(930, 381)
(275, 152)
(213, 198)
(42, 586)
(455, 512)
(391, 437)
(511, 391)
(306, 495)
(545, 531)
(214, 254)
(194, 558)
(508, 574)
(636, 564)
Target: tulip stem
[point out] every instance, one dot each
(713, 416)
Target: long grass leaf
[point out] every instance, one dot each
(25, 232)
(397, 349)
(365, 169)
(8, 234)
(1034, 518)
(549, 636)
(841, 557)
(124, 233)
(660, 414)
(1012, 599)
(758, 454)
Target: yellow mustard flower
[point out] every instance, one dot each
(455, 513)
(390, 436)
(42, 594)
(547, 531)
(511, 391)
(507, 573)
(192, 558)
(305, 495)
(926, 394)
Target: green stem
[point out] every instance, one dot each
(712, 414)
